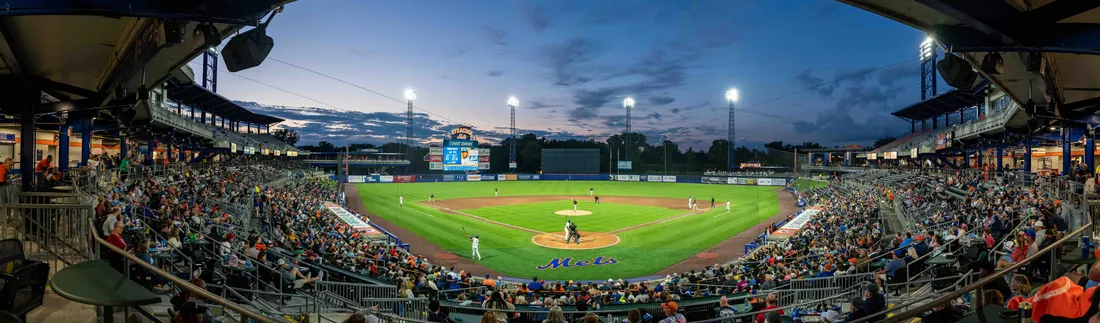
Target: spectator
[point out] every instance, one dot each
(555, 316)
(873, 302)
(634, 316)
(831, 316)
(435, 313)
(591, 318)
(671, 315)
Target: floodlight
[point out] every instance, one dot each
(410, 95)
(513, 102)
(628, 102)
(732, 95)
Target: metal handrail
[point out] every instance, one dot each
(980, 283)
(195, 290)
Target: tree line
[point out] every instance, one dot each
(653, 158)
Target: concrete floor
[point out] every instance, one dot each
(55, 309)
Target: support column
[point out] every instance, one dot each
(152, 147)
(123, 148)
(923, 125)
(1066, 150)
(192, 113)
(978, 154)
(202, 117)
(86, 141)
(1000, 161)
(1090, 150)
(966, 158)
(26, 144)
(1027, 154)
(183, 156)
(63, 146)
(826, 159)
(935, 123)
(847, 159)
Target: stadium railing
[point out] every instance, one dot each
(175, 281)
(905, 312)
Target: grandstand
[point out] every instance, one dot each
(214, 216)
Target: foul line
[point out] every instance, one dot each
(424, 213)
(694, 212)
(490, 221)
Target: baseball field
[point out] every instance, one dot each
(636, 230)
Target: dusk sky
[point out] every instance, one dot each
(571, 63)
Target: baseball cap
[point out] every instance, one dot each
(671, 306)
(870, 288)
(832, 316)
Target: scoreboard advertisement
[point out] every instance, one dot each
(459, 153)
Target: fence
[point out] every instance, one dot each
(354, 292)
(52, 226)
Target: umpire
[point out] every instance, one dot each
(573, 233)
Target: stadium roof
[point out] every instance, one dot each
(1060, 32)
(199, 97)
(939, 105)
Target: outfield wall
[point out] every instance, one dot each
(729, 180)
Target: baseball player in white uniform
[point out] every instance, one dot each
(496, 192)
(590, 191)
(689, 201)
(474, 246)
(401, 201)
(727, 206)
(566, 230)
(574, 205)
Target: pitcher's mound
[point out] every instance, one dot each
(573, 213)
(589, 240)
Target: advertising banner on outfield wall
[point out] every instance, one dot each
(404, 179)
(502, 177)
(714, 180)
(454, 178)
(356, 179)
(668, 179)
(512, 177)
(488, 177)
(385, 179)
(473, 178)
(371, 179)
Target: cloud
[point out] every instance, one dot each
(568, 60)
(581, 114)
(675, 110)
(661, 100)
(837, 125)
(497, 36)
(807, 80)
(540, 104)
(594, 99)
(495, 73)
(654, 115)
(536, 17)
(333, 125)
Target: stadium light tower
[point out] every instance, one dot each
(628, 103)
(410, 96)
(513, 102)
(927, 68)
(731, 140)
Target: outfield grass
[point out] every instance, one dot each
(642, 251)
(605, 217)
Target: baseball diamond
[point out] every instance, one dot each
(520, 224)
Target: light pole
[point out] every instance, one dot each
(513, 102)
(664, 142)
(628, 103)
(410, 96)
(732, 97)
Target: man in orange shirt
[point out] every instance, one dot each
(5, 169)
(44, 164)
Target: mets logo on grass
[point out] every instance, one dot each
(568, 262)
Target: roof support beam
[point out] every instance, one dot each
(1055, 38)
(1060, 10)
(215, 11)
(986, 16)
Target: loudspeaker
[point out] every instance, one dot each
(173, 32)
(992, 63)
(957, 72)
(139, 114)
(1033, 62)
(247, 50)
